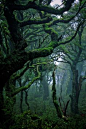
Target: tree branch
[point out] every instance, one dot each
(67, 41)
(21, 57)
(30, 22)
(66, 20)
(45, 8)
(28, 85)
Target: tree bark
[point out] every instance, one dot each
(75, 93)
(55, 102)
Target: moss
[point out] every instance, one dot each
(28, 85)
(53, 44)
(58, 109)
(50, 30)
(48, 50)
(42, 52)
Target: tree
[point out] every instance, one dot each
(15, 54)
(73, 54)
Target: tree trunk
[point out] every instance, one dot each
(26, 100)
(45, 86)
(75, 93)
(55, 102)
(74, 102)
(1, 108)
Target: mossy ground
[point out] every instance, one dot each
(26, 122)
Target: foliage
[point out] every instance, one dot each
(31, 30)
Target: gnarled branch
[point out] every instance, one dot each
(28, 85)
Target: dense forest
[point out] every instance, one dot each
(42, 64)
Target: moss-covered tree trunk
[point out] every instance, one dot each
(77, 81)
(1, 106)
(55, 102)
(1, 85)
(6, 109)
(76, 87)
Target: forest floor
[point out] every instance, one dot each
(75, 122)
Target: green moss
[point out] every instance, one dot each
(50, 30)
(53, 44)
(44, 50)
